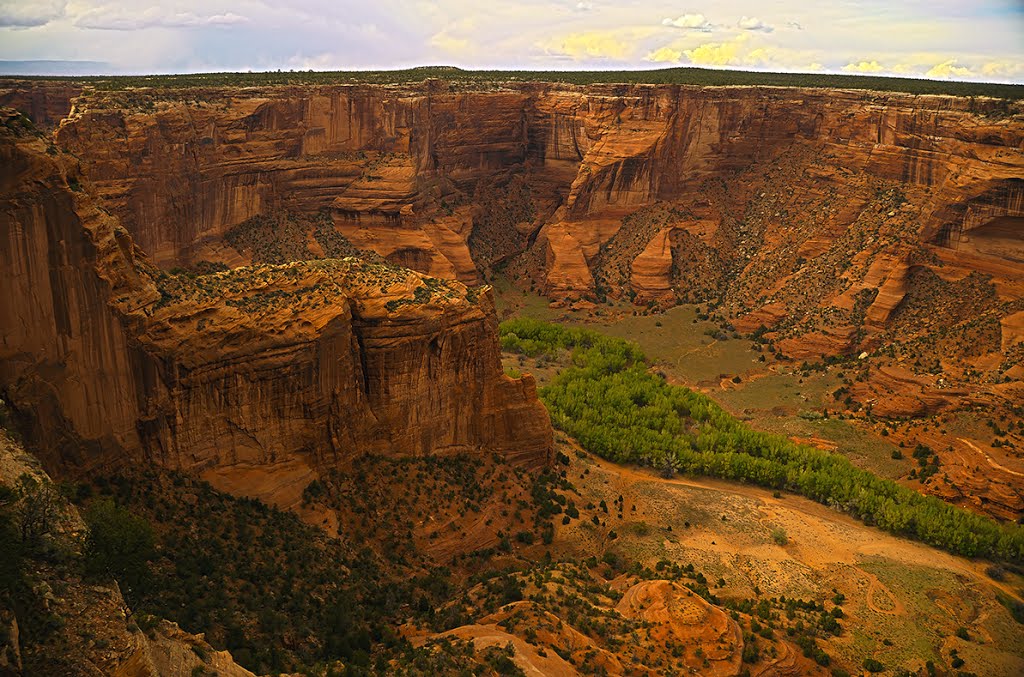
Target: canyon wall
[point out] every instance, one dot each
(840, 221)
(110, 359)
(183, 166)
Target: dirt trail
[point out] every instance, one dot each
(877, 586)
(678, 360)
(989, 459)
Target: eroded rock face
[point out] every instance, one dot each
(784, 177)
(185, 171)
(841, 221)
(111, 357)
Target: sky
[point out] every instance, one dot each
(954, 39)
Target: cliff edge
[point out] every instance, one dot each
(108, 357)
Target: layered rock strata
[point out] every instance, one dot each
(841, 221)
(791, 182)
(111, 358)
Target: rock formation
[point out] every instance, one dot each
(797, 197)
(841, 221)
(108, 356)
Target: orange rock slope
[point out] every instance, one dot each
(108, 356)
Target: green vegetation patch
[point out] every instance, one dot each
(248, 575)
(617, 409)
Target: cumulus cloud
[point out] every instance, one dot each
(864, 67)
(693, 22)
(122, 19)
(917, 39)
(744, 51)
(592, 45)
(948, 69)
(718, 53)
(665, 55)
(20, 14)
(752, 23)
(780, 58)
(939, 67)
(1002, 69)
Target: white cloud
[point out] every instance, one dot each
(1003, 69)
(697, 22)
(591, 44)
(752, 23)
(864, 67)
(665, 55)
(942, 37)
(948, 69)
(113, 18)
(781, 58)
(745, 50)
(718, 53)
(20, 14)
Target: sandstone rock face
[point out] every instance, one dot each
(844, 221)
(112, 357)
(652, 278)
(46, 103)
(183, 166)
(187, 171)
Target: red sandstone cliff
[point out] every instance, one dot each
(106, 354)
(843, 221)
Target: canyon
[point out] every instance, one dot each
(876, 233)
(267, 317)
(840, 222)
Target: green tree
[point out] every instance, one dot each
(617, 409)
(38, 509)
(119, 545)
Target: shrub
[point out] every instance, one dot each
(872, 665)
(38, 508)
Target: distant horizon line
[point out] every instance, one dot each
(113, 72)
